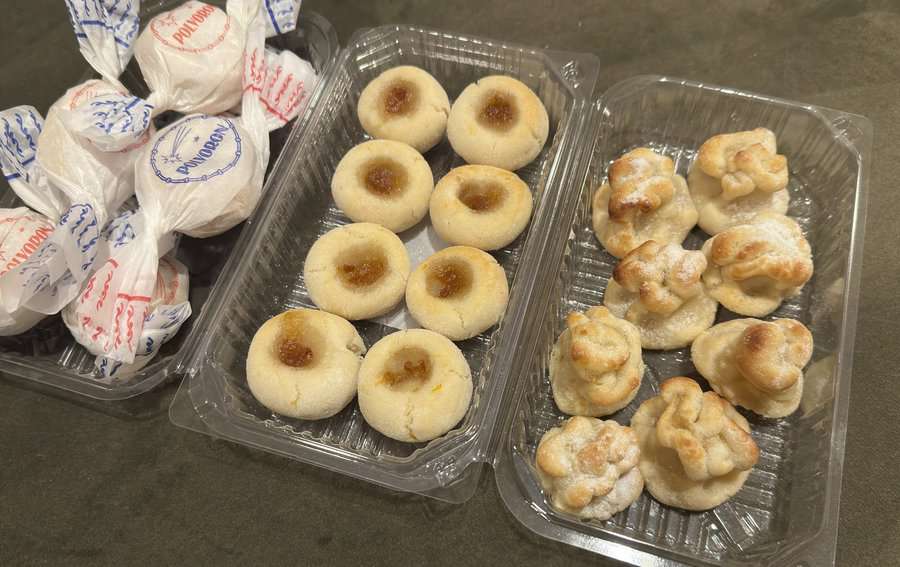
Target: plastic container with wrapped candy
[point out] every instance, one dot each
(48, 353)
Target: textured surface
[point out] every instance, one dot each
(80, 486)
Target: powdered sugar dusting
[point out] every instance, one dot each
(776, 232)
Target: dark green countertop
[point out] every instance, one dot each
(82, 486)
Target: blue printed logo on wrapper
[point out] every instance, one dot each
(118, 17)
(159, 326)
(19, 131)
(105, 30)
(120, 230)
(196, 149)
(281, 16)
(119, 115)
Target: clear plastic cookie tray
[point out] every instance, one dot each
(49, 355)
(267, 273)
(786, 513)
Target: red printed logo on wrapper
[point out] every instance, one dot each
(31, 231)
(128, 310)
(91, 90)
(280, 91)
(191, 24)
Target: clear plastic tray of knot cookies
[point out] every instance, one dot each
(700, 286)
(375, 308)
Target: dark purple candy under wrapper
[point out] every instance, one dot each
(47, 337)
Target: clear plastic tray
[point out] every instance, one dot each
(786, 514)
(48, 354)
(266, 273)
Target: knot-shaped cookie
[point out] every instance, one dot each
(736, 176)
(642, 199)
(589, 467)
(696, 425)
(756, 364)
(641, 182)
(596, 366)
(696, 449)
(744, 162)
(753, 267)
(658, 287)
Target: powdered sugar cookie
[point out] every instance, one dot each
(498, 121)
(405, 104)
(414, 385)
(481, 206)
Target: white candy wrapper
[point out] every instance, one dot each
(191, 58)
(105, 30)
(188, 179)
(281, 83)
(76, 181)
(22, 127)
(280, 16)
(22, 232)
(168, 310)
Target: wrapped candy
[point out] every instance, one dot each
(187, 176)
(191, 57)
(174, 53)
(167, 308)
(72, 181)
(22, 231)
(21, 127)
(200, 174)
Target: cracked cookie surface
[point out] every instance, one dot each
(304, 363)
(458, 292)
(405, 104)
(498, 121)
(414, 386)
